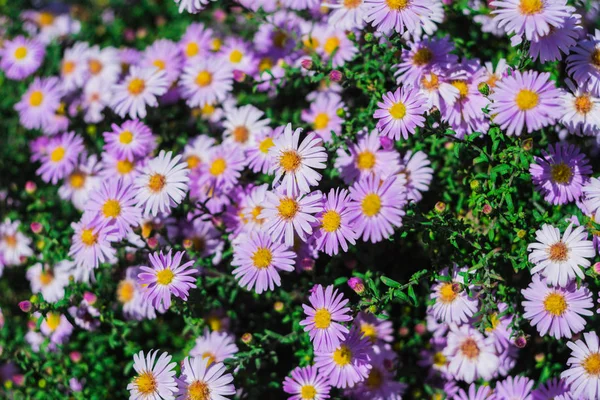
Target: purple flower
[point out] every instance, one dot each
(421, 57)
(307, 383)
(38, 106)
(140, 88)
(452, 303)
(131, 139)
(583, 64)
(206, 81)
(163, 55)
(584, 367)
(552, 389)
(518, 387)
(415, 167)
(222, 170)
(60, 159)
(91, 245)
(323, 116)
(482, 392)
(378, 331)
(196, 41)
(400, 113)
(335, 230)
(155, 379)
(381, 383)
(21, 57)
(398, 15)
(471, 355)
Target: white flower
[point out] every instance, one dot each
(140, 88)
(471, 356)
(203, 379)
(583, 376)
(243, 124)
(50, 282)
(13, 244)
(154, 380)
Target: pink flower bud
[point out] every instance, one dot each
(356, 284)
(487, 209)
(247, 338)
(25, 305)
(335, 76)
(307, 63)
(152, 242)
(220, 15)
(597, 268)
(239, 76)
(75, 356)
(307, 264)
(403, 331)
(521, 342)
(36, 227)
(30, 187)
(420, 329)
(90, 297)
(18, 379)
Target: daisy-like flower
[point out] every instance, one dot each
(552, 389)
(203, 380)
(583, 375)
(294, 163)
(204, 237)
(581, 111)
(114, 203)
(91, 245)
(592, 198)
(259, 159)
(215, 346)
(560, 173)
(14, 245)
(57, 327)
(347, 15)
(206, 81)
(336, 47)
(197, 151)
(348, 363)
(380, 384)
(62, 153)
(416, 171)
(162, 184)
(103, 64)
(38, 106)
(482, 392)
(96, 97)
(531, 18)
(525, 99)
(421, 57)
(21, 57)
(452, 303)
(399, 15)
(400, 113)
(306, 383)
(583, 64)
(155, 378)
(258, 260)
(300, 4)
(323, 116)
(558, 259)
(167, 277)
(471, 356)
(73, 67)
(127, 169)
(131, 139)
(51, 282)
(285, 214)
(196, 41)
(373, 328)
(192, 6)
(252, 209)
(163, 55)
(140, 88)
(222, 169)
(517, 388)
(130, 294)
(243, 124)
(334, 229)
(326, 311)
(555, 310)
(549, 47)
(376, 207)
(238, 54)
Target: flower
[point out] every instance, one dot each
(475, 393)
(102, 64)
(347, 15)
(380, 384)
(376, 207)
(591, 199)
(243, 124)
(452, 303)
(222, 168)
(61, 157)
(39, 103)
(197, 151)
(559, 259)
(191, 6)
(257, 259)
(51, 282)
(239, 55)
(140, 88)
(583, 64)
(326, 311)
(202, 379)
(561, 173)
(285, 214)
(114, 203)
(121, 168)
(14, 245)
(91, 245)
(553, 389)
(400, 113)
(163, 55)
(373, 328)
(525, 99)
(162, 184)
(323, 116)
(294, 164)
(130, 294)
(583, 375)
(415, 168)
(581, 111)
(307, 383)
(57, 327)
(155, 378)
(196, 41)
(335, 229)
(471, 356)
(336, 46)
(421, 58)
(215, 346)
(73, 67)
(399, 15)
(549, 47)
(259, 159)
(518, 388)
(166, 277)
(556, 310)
(21, 57)
(206, 81)
(131, 139)
(348, 363)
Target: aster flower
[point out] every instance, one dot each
(197, 151)
(206, 81)
(398, 15)
(203, 380)
(127, 169)
(258, 260)
(348, 363)
(51, 282)
(525, 99)
(518, 388)
(73, 67)
(252, 209)
(103, 64)
(131, 139)
(114, 203)
(531, 18)
(196, 41)
(336, 47)
(162, 184)
(215, 347)
(140, 88)
(380, 384)
(61, 157)
(243, 124)
(191, 6)
(373, 328)
(155, 378)
(85, 316)
(549, 47)
(324, 315)
(96, 97)
(285, 214)
(501, 329)
(560, 173)
(21, 57)
(300, 4)
(592, 198)
(335, 230)
(552, 389)
(581, 111)
(294, 163)
(471, 356)
(583, 375)
(166, 277)
(376, 207)
(239, 55)
(307, 383)
(347, 15)
(163, 55)
(417, 173)
(57, 327)
(475, 393)
(91, 245)
(14, 245)
(222, 169)
(323, 116)
(556, 310)
(583, 64)
(40, 102)
(259, 159)
(421, 57)
(560, 259)
(204, 237)
(130, 295)
(452, 303)
(400, 113)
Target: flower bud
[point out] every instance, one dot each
(30, 187)
(487, 209)
(90, 297)
(335, 76)
(247, 338)
(307, 64)
(440, 207)
(239, 76)
(596, 268)
(369, 36)
(18, 379)
(36, 227)
(220, 15)
(420, 329)
(474, 184)
(152, 242)
(484, 88)
(75, 356)
(188, 244)
(527, 144)
(25, 306)
(278, 306)
(403, 331)
(521, 342)
(357, 285)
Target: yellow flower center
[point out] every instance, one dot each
(371, 204)
(125, 292)
(160, 64)
(46, 277)
(322, 318)
(218, 166)
(375, 378)
(331, 45)
(53, 321)
(157, 182)
(21, 52)
(255, 213)
(125, 137)
(526, 99)
(287, 208)
(164, 276)
(204, 78)
(77, 180)
(11, 240)
(240, 134)
(495, 321)
(369, 331)
(596, 58)
(310, 44)
(215, 323)
(308, 392)
(46, 19)
(235, 56)
(36, 98)
(470, 349)
(136, 86)
(463, 88)
(447, 293)
(561, 173)
(321, 121)
(439, 359)
(198, 390)
(430, 84)
(531, 7)
(88, 237)
(558, 252)
(265, 64)
(397, 5)
(555, 304)
(262, 258)
(290, 160)
(211, 357)
(398, 110)
(591, 364)
(365, 160)
(191, 49)
(95, 66)
(342, 356)
(193, 161)
(216, 44)
(57, 154)
(352, 3)
(422, 57)
(146, 383)
(208, 110)
(265, 145)
(331, 221)
(111, 209)
(124, 167)
(68, 67)
(583, 104)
